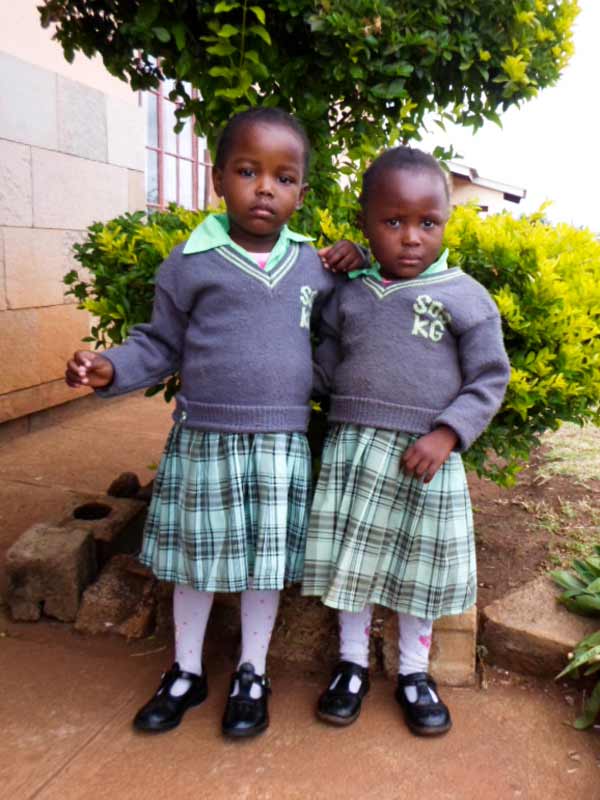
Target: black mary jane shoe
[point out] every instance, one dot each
(246, 715)
(424, 717)
(339, 705)
(163, 711)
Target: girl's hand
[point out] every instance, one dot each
(89, 369)
(425, 456)
(343, 256)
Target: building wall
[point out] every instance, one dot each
(71, 153)
(463, 191)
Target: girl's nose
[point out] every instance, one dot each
(410, 235)
(264, 186)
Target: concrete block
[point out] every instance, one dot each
(121, 601)
(36, 344)
(81, 113)
(36, 261)
(137, 191)
(126, 134)
(453, 648)
(71, 193)
(115, 523)
(48, 568)
(528, 631)
(15, 184)
(27, 103)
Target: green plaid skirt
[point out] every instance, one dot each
(376, 536)
(229, 510)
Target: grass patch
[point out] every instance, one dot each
(572, 451)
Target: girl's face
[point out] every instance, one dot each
(262, 183)
(404, 220)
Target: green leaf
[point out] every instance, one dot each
(162, 34)
(227, 31)
(179, 35)
(263, 33)
(592, 710)
(221, 49)
(223, 7)
(148, 13)
(259, 13)
(566, 579)
(222, 72)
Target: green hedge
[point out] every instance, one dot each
(545, 280)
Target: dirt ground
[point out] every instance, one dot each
(554, 513)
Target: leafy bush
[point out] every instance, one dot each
(583, 597)
(545, 280)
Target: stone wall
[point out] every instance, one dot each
(70, 154)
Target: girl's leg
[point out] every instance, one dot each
(340, 703)
(424, 711)
(184, 685)
(246, 712)
(191, 610)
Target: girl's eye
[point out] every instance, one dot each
(246, 172)
(286, 179)
(393, 223)
(428, 224)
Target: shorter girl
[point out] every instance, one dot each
(232, 313)
(417, 369)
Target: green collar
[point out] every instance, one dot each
(440, 264)
(214, 232)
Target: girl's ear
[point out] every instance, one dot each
(217, 179)
(302, 195)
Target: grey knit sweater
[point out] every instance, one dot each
(413, 355)
(239, 336)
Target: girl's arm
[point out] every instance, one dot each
(344, 256)
(486, 372)
(326, 354)
(151, 352)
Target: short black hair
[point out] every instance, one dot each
(403, 157)
(270, 116)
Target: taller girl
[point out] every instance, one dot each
(232, 313)
(417, 368)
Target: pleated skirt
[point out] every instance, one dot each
(376, 536)
(229, 511)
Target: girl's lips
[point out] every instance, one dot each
(262, 211)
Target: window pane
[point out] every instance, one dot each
(170, 188)
(186, 189)
(151, 176)
(201, 185)
(185, 139)
(151, 120)
(169, 120)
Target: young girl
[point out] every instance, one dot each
(232, 313)
(417, 368)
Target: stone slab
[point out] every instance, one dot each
(34, 399)
(81, 113)
(62, 195)
(2, 273)
(528, 631)
(39, 341)
(15, 184)
(48, 568)
(36, 260)
(27, 103)
(137, 191)
(126, 134)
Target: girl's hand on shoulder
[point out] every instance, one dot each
(89, 369)
(343, 256)
(425, 456)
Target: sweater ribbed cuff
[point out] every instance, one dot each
(241, 419)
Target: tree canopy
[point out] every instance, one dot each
(360, 75)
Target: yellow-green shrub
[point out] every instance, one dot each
(545, 280)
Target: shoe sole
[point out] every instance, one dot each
(168, 726)
(246, 733)
(418, 731)
(339, 721)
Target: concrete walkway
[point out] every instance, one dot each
(67, 700)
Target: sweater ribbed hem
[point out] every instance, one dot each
(241, 419)
(379, 414)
